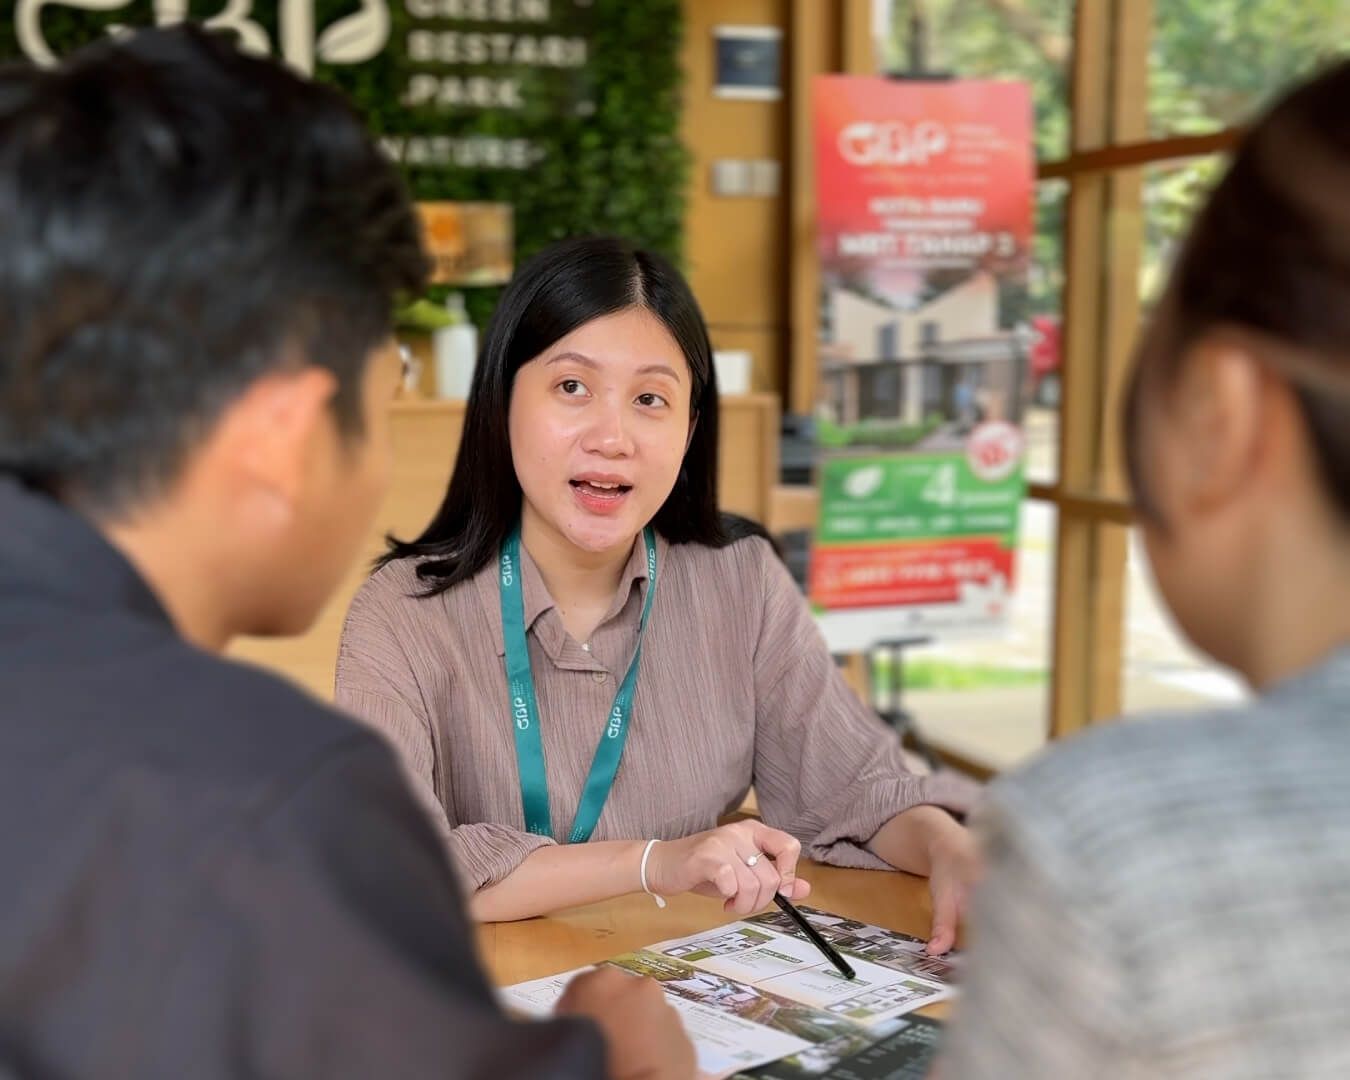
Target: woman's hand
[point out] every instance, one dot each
(744, 863)
(929, 841)
(954, 868)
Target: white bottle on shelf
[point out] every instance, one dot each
(456, 350)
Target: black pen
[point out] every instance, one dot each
(831, 953)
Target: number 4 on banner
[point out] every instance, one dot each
(941, 486)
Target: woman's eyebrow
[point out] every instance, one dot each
(586, 361)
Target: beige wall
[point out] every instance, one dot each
(752, 260)
(969, 310)
(857, 325)
(736, 246)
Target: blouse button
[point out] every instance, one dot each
(598, 676)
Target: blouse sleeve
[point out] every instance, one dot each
(827, 770)
(377, 683)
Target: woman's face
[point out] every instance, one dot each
(599, 426)
(1169, 546)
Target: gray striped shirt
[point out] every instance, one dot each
(735, 686)
(1169, 898)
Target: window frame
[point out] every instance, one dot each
(1109, 148)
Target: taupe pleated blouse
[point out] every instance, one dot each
(735, 687)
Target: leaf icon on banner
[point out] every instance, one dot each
(861, 483)
(357, 37)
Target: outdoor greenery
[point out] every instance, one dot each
(1212, 64)
(935, 674)
(882, 433)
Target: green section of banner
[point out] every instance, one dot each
(880, 498)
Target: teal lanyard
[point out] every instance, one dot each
(525, 707)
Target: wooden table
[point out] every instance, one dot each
(515, 951)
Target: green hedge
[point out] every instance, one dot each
(620, 169)
(890, 433)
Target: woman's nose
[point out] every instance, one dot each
(608, 432)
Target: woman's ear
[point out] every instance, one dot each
(1220, 407)
(693, 426)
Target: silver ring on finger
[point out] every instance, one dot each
(752, 859)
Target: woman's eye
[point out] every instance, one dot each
(651, 400)
(572, 387)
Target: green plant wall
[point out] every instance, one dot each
(609, 130)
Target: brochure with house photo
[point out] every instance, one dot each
(756, 991)
(905, 1054)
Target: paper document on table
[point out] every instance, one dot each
(888, 948)
(725, 1042)
(756, 990)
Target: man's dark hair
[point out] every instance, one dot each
(178, 219)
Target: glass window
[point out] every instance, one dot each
(1030, 40)
(987, 700)
(1213, 63)
(1045, 320)
(888, 342)
(1173, 192)
(1162, 669)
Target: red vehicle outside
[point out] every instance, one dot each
(1046, 357)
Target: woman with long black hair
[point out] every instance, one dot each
(580, 656)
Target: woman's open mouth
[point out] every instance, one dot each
(600, 494)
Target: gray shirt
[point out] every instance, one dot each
(1170, 897)
(736, 685)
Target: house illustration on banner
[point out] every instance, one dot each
(947, 357)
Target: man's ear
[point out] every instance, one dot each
(269, 435)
